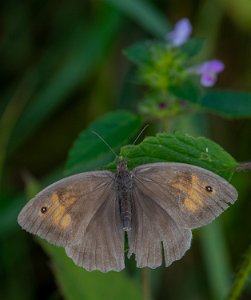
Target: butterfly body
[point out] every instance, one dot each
(156, 204)
(124, 183)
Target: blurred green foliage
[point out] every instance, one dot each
(89, 150)
(76, 283)
(62, 69)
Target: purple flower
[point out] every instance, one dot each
(180, 34)
(208, 71)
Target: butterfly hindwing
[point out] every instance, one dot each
(101, 246)
(155, 232)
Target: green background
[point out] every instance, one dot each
(62, 68)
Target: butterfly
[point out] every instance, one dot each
(156, 205)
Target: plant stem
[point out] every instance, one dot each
(146, 284)
(215, 255)
(241, 277)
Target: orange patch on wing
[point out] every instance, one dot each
(193, 205)
(58, 215)
(193, 199)
(55, 198)
(60, 202)
(59, 208)
(69, 199)
(65, 222)
(66, 198)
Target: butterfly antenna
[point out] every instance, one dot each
(99, 136)
(144, 128)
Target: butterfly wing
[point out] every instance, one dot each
(70, 212)
(101, 246)
(191, 195)
(169, 199)
(154, 230)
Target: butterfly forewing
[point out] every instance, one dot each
(192, 196)
(69, 210)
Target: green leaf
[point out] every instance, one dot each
(189, 90)
(229, 104)
(87, 49)
(138, 53)
(182, 148)
(143, 13)
(76, 283)
(90, 152)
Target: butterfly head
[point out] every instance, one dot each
(122, 165)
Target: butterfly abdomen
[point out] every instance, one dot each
(123, 182)
(125, 211)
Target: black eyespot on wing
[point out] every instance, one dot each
(43, 209)
(209, 189)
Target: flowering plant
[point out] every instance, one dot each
(176, 79)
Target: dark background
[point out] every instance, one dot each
(61, 68)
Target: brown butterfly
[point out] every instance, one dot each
(156, 204)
